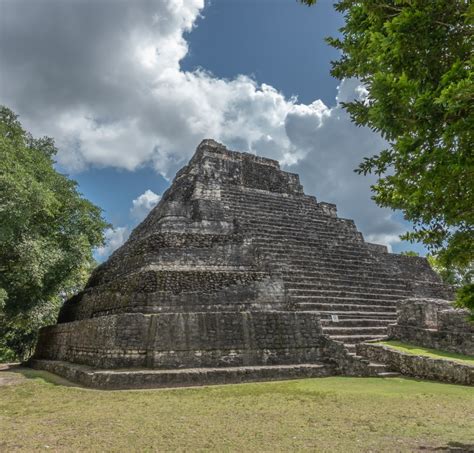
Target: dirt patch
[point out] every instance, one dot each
(10, 374)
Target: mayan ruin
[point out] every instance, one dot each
(235, 275)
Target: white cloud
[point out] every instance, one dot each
(114, 238)
(143, 204)
(331, 147)
(118, 97)
(384, 239)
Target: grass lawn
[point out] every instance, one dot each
(434, 353)
(337, 414)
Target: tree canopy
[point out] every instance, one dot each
(47, 234)
(415, 59)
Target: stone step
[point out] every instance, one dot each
(314, 255)
(318, 260)
(342, 308)
(385, 305)
(322, 293)
(355, 283)
(314, 288)
(252, 212)
(315, 238)
(357, 322)
(262, 215)
(334, 272)
(149, 378)
(331, 266)
(380, 367)
(342, 315)
(366, 330)
(310, 234)
(275, 226)
(295, 273)
(301, 202)
(361, 274)
(388, 374)
(283, 219)
(314, 241)
(252, 200)
(319, 250)
(265, 239)
(354, 339)
(307, 301)
(252, 207)
(236, 191)
(344, 284)
(382, 370)
(366, 291)
(278, 226)
(252, 215)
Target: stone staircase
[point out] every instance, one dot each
(323, 261)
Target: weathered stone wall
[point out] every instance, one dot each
(178, 291)
(422, 280)
(108, 341)
(433, 323)
(419, 366)
(175, 248)
(175, 340)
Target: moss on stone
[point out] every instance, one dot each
(428, 352)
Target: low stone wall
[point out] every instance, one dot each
(143, 378)
(433, 323)
(418, 366)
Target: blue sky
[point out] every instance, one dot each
(279, 42)
(128, 90)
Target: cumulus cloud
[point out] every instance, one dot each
(331, 147)
(114, 238)
(143, 204)
(104, 79)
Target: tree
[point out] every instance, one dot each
(455, 275)
(458, 277)
(415, 59)
(47, 233)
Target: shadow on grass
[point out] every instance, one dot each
(24, 372)
(450, 447)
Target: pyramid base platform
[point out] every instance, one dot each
(142, 378)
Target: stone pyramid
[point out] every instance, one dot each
(235, 275)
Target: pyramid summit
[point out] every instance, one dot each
(236, 274)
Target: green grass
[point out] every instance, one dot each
(337, 414)
(434, 353)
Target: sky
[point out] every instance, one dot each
(128, 89)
